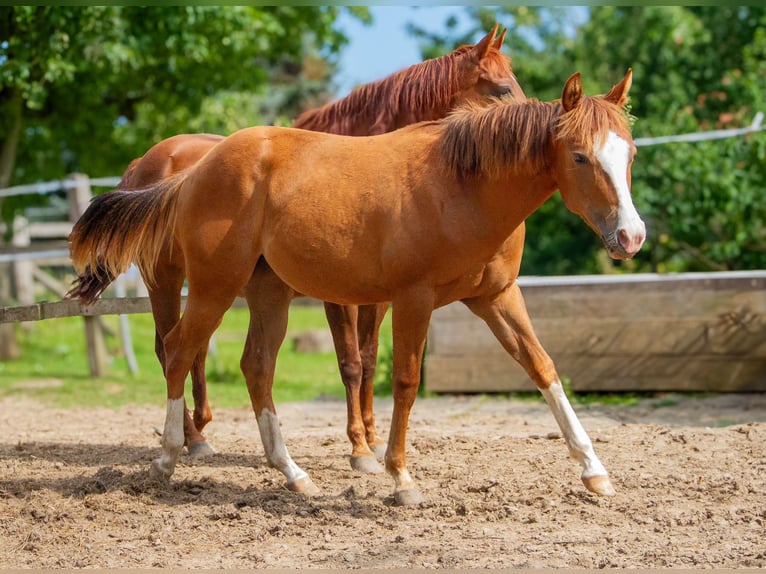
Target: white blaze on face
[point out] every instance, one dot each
(614, 156)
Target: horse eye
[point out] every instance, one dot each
(580, 158)
(501, 90)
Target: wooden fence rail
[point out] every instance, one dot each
(642, 332)
(38, 244)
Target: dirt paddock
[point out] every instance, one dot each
(500, 490)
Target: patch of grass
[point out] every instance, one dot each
(54, 367)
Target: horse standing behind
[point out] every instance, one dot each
(424, 91)
(419, 217)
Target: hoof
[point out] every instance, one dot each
(201, 449)
(600, 485)
(379, 450)
(366, 464)
(157, 471)
(407, 497)
(304, 486)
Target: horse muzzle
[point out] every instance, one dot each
(625, 242)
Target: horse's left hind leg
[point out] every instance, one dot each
(368, 327)
(181, 344)
(506, 315)
(269, 302)
(342, 320)
(165, 296)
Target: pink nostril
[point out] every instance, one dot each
(631, 244)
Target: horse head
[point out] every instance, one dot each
(485, 71)
(593, 154)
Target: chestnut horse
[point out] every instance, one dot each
(420, 217)
(424, 91)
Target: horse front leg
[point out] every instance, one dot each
(269, 300)
(342, 320)
(411, 314)
(368, 327)
(507, 317)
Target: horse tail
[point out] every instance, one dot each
(118, 228)
(96, 278)
(125, 180)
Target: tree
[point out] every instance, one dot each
(694, 69)
(89, 88)
(94, 86)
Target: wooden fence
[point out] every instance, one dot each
(36, 245)
(643, 332)
(45, 241)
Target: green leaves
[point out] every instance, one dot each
(102, 84)
(694, 69)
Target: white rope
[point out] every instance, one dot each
(44, 187)
(703, 136)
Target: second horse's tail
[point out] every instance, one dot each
(119, 228)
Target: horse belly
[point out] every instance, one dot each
(330, 271)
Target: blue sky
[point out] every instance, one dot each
(384, 47)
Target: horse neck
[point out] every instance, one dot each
(503, 202)
(500, 154)
(425, 91)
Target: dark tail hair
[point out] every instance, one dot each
(94, 280)
(120, 227)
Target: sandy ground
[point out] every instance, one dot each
(500, 490)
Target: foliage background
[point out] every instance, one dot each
(89, 88)
(695, 68)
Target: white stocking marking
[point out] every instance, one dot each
(578, 442)
(275, 449)
(172, 437)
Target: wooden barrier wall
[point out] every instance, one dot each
(687, 332)
(644, 332)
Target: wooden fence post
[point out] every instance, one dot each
(23, 270)
(78, 196)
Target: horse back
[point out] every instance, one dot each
(167, 158)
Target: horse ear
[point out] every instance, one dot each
(500, 39)
(482, 48)
(572, 92)
(619, 93)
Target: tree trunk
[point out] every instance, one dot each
(9, 348)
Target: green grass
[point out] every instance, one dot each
(54, 367)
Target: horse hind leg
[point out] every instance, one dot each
(342, 320)
(507, 317)
(196, 442)
(209, 298)
(368, 325)
(165, 297)
(269, 300)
